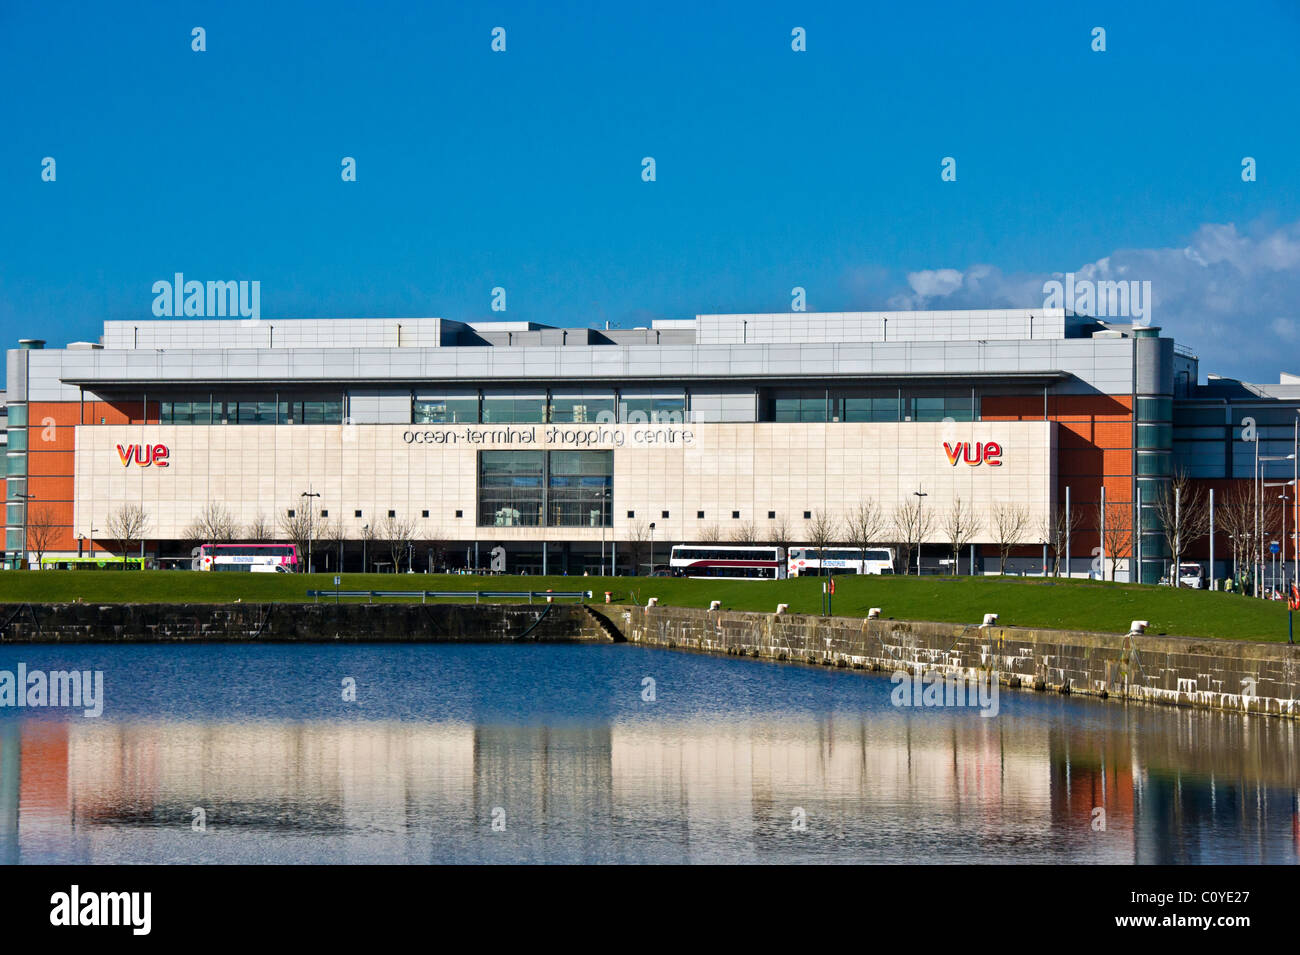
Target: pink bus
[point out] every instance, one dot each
(251, 558)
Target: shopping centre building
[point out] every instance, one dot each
(566, 448)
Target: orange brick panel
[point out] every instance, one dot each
(52, 438)
(53, 489)
(119, 412)
(62, 413)
(50, 462)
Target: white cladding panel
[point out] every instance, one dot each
(682, 469)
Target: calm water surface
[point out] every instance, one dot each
(558, 744)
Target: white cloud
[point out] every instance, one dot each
(1230, 295)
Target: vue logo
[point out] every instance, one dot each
(144, 455)
(974, 452)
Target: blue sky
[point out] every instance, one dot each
(522, 169)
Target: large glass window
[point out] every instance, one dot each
(580, 489)
(652, 407)
(17, 415)
(559, 488)
(582, 407)
(17, 439)
(514, 408)
(445, 409)
(511, 489)
(868, 409)
(800, 405)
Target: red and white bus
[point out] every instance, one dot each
(720, 560)
(249, 558)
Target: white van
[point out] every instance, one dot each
(1191, 575)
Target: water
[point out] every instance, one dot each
(557, 743)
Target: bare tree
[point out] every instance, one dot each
(1010, 528)
(126, 526)
(399, 534)
(960, 525)
(1056, 529)
(637, 545)
(912, 523)
(41, 531)
(332, 534)
(710, 534)
(214, 525)
(866, 526)
(434, 548)
(1235, 516)
(258, 529)
(780, 530)
(296, 526)
(744, 533)
(1183, 512)
(823, 529)
(1116, 518)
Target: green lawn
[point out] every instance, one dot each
(1019, 601)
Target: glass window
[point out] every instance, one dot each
(510, 488)
(17, 438)
(801, 405)
(652, 409)
(1156, 465)
(14, 513)
(17, 464)
(17, 415)
(928, 409)
(580, 489)
(1160, 409)
(509, 408)
(582, 408)
(1155, 436)
(452, 409)
(14, 487)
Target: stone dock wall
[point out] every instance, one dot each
(1233, 675)
(298, 623)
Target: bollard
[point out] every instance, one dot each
(990, 619)
(549, 598)
(607, 596)
(1138, 627)
(873, 613)
(715, 604)
(782, 608)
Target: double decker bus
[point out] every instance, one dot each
(718, 560)
(249, 558)
(840, 560)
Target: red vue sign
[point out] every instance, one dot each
(974, 453)
(144, 455)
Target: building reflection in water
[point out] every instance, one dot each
(1175, 786)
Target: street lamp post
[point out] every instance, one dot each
(920, 502)
(26, 499)
(309, 494)
(365, 536)
(1259, 508)
(652, 548)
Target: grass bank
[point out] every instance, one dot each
(1019, 601)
